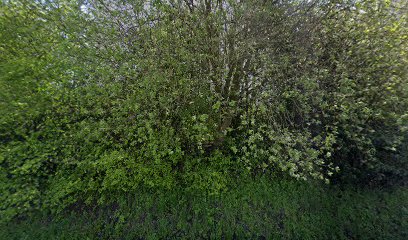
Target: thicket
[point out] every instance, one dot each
(100, 97)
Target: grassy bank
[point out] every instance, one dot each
(257, 210)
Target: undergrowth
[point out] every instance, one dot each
(261, 209)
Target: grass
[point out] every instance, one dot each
(257, 210)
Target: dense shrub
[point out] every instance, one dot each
(105, 97)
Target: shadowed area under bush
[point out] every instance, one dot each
(255, 210)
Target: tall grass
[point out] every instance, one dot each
(261, 209)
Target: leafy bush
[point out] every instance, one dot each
(106, 97)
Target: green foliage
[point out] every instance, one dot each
(370, 101)
(261, 209)
(103, 98)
